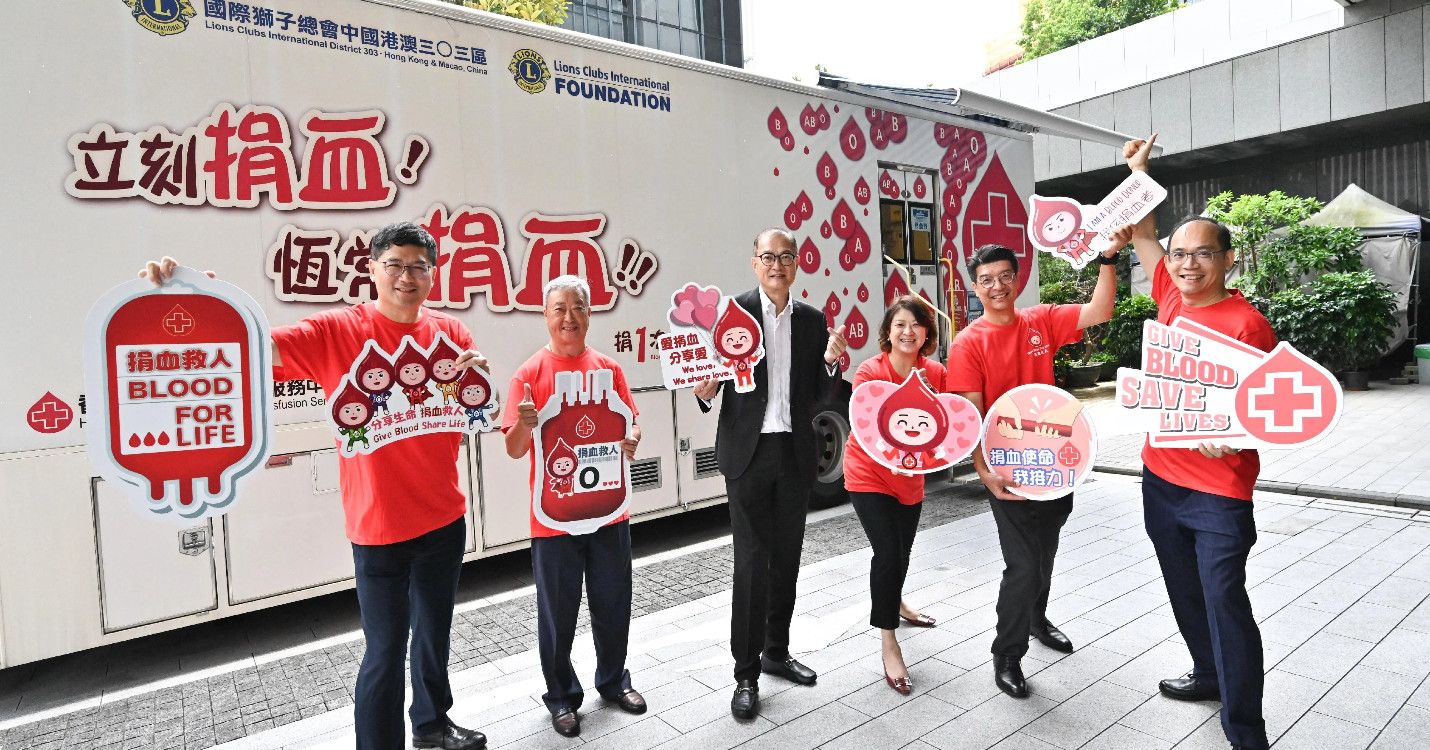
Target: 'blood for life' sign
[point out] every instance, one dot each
(583, 480)
(1200, 386)
(178, 376)
(711, 337)
(1040, 437)
(1078, 233)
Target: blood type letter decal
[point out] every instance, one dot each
(583, 480)
(178, 376)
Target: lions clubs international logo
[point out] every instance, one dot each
(163, 17)
(529, 71)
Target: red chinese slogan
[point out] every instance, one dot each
(1197, 385)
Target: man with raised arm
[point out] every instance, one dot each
(1197, 502)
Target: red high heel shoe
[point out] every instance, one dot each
(903, 685)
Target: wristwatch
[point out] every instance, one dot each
(1107, 261)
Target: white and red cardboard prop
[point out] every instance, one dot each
(911, 429)
(583, 480)
(711, 337)
(386, 397)
(1078, 233)
(178, 377)
(1040, 437)
(1200, 386)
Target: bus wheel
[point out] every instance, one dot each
(831, 430)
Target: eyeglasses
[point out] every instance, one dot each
(1202, 256)
(395, 268)
(785, 259)
(1004, 278)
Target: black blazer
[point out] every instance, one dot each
(811, 385)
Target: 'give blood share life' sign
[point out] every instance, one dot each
(178, 375)
(1200, 386)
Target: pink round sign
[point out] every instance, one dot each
(1040, 437)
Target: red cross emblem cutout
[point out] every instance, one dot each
(1288, 399)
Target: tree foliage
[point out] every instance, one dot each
(549, 12)
(1051, 25)
(1342, 320)
(1275, 251)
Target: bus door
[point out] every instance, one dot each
(909, 234)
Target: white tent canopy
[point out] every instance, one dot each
(1374, 217)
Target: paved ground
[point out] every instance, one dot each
(1340, 589)
(1380, 450)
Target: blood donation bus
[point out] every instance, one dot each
(267, 141)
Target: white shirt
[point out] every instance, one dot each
(778, 337)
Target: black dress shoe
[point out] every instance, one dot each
(451, 737)
(566, 723)
(745, 705)
(1050, 636)
(1008, 675)
(1189, 689)
(789, 669)
(630, 701)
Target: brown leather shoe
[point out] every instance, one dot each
(630, 701)
(566, 723)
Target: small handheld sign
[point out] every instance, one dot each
(1078, 233)
(386, 397)
(178, 375)
(582, 480)
(1197, 386)
(1039, 437)
(711, 337)
(910, 429)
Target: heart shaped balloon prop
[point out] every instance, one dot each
(695, 306)
(909, 428)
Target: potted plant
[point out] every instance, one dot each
(1061, 284)
(1342, 321)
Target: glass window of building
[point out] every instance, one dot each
(704, 29)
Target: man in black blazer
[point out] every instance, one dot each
(767, 450)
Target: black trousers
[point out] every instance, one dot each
(890, 526)
(603, 559)
(1202, 542)
(768, 503)
(1028, 533)
(409, 585)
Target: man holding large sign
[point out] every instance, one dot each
(576, 422)
(1197, 501)
(403, 503)
(1000, 351)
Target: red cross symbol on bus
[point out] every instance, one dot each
(178, 322)
(1284, 402)
(49, 414)
(1069, 455)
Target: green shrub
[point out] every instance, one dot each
(1342, 321)
(1123, 341)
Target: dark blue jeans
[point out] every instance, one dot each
(409, 585)
(603, 559)
(1202, 542)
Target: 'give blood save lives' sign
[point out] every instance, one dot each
(178, 374)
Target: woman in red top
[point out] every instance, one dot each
(888, 504)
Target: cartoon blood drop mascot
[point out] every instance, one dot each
(443, 364)
(474, 393)
(912, 426)
(375, 378)
(1057, 223)
(412, 374)
(561, 468)
(737, 337)
(351, 410)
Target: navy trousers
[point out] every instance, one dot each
(1028, 533)
(409, 585)
(1202, 542)
(603, 559)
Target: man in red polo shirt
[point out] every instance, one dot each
(1197, 502)
(404, 508)
(1000, 351)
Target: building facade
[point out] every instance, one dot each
(703, 29)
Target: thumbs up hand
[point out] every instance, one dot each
(526, 410)
(836, 346)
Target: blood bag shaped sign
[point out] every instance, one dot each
(1197, 386)
(1078, 233)
(178, 376)
(1039, 437)
(910, 429)
(711, 337)
(583, 480)
(391, 396)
